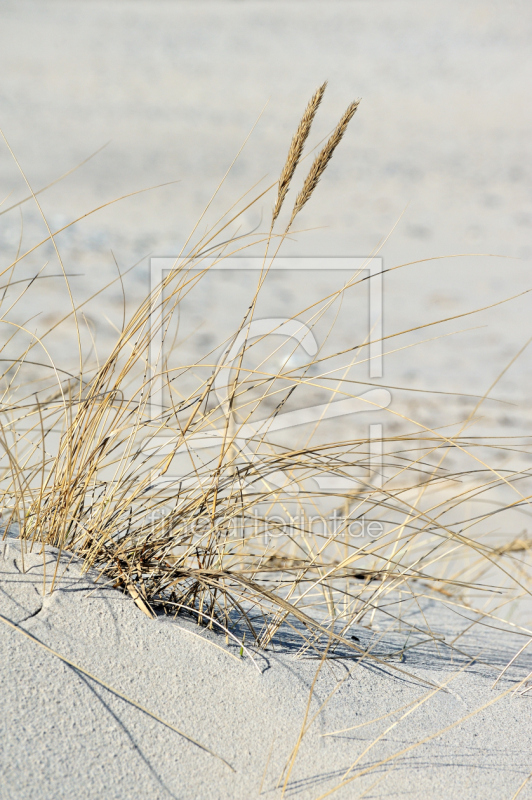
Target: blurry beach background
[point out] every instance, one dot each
(439, 148)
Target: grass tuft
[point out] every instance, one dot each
(87, 467)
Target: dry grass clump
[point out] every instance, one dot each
(91, 473)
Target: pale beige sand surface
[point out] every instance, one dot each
(63, 735)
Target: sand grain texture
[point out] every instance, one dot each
(64, 736)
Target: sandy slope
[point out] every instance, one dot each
(64, 736)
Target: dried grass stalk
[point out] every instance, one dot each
(322, 159)
(296, 148)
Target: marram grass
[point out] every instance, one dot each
(75, 474)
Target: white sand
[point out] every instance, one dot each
(444, 127)
(64, 736)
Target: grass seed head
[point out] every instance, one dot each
(296, 148)
(322, 159)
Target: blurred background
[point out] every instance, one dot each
(436, 161)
